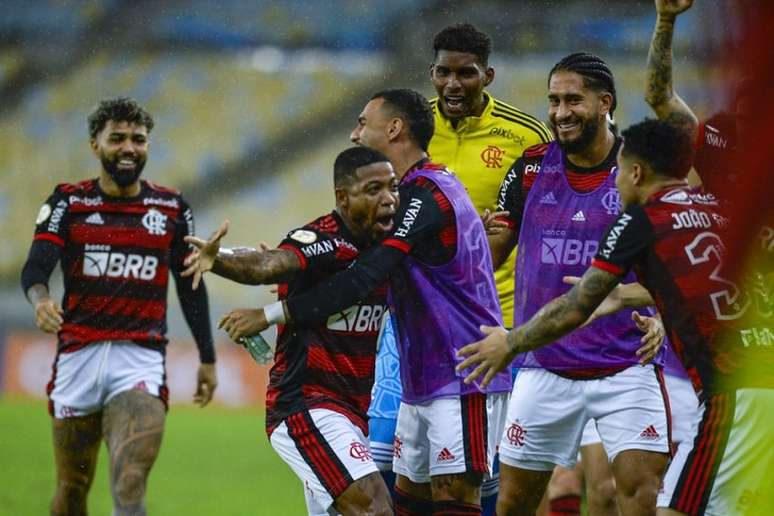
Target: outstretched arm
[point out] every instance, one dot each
(556, 319)
(659, 91)
(241, 264)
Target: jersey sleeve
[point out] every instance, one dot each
(51, 222)
(184, 227)
(418, 218)
(511, 195)
(313, 248)
(624, 242)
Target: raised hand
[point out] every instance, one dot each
(672, 7)
(204, 254)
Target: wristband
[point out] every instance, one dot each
(275, 313)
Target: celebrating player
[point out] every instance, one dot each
(117, 237)
(441, 285)
(320, 383)
(565, 194)
(670, 235)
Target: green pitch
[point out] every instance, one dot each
(214, 460)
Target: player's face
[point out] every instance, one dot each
(577, 113)
(372, 129)
(370, 202)
(122, 148)
(459, 79)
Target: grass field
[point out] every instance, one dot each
(213, 461)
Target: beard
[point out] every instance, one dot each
(123, 178)
(580, 143)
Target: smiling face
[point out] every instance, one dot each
(122, 148)
(459, 79)
(576, 112)
(368, 203)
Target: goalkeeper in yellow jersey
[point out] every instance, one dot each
(477, 136)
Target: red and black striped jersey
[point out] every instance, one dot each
(674, 242)
(716, 148)
(116, 255)
(330, 365)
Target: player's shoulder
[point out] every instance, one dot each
(159, 189)
(83, 187)
(531, 158)
(519, 120)
(324, 226)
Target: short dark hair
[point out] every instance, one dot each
(464, 37)
(122, 109)
(667, 150)
(351, 159)
(414, 109)
(595, 72)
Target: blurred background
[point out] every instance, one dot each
(253, 101)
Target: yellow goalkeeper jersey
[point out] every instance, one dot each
(480, 150)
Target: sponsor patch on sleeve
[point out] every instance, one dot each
(303, 236)
(43, 214)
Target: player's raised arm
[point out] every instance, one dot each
(241, 264)
(659, 90)
(556, 319)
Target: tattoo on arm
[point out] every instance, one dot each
(659, 91)
(253, 267)
(565, 313)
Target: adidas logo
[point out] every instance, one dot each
(95, 218)
(579, 217)
(445, 456)
(650, 433)
(548, 198)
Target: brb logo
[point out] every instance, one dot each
(155, 222)
(359, 451)
(493, 157)
(99, 261)
(567, 251)
(358, 319)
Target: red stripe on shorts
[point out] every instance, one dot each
(316, 451)
(698, 475)
(474, 432)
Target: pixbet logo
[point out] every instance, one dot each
(359, 451)
(567, 251)
(119, 265)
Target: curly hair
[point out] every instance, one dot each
(464, 37)
(595, 72)
(122, 109)
(666, 149)
(414, 109)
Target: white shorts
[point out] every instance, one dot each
(684, 407)
(85, 380)
(723, 470)
(327, 452)
(548, 413)
(448, 435)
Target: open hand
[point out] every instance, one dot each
(203, 256)
(672, 7)
(491, 355)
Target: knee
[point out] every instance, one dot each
(640, 494)
(129, 487)
(601, 492)
(464, 487)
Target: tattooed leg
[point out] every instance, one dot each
(133, 425)
(76, 447)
